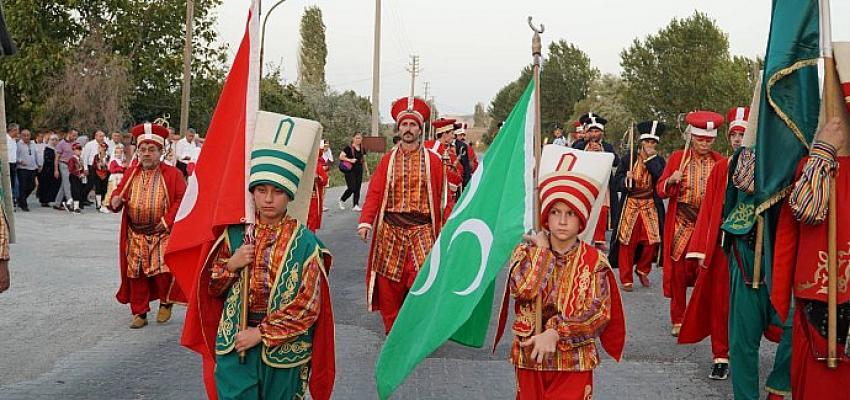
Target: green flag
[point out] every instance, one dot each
(788, 110)
(790, 101)
(452, 296)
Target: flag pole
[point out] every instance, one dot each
(536, 53)
(629, 181)
(831, 107)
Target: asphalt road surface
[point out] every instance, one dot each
(65, 337)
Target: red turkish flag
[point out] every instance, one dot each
(217, 196)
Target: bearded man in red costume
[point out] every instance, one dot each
(402, 212)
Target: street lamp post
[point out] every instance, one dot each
(263, 34)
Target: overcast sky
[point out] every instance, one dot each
(469, 49)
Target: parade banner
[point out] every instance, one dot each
(789, 107)
(790, 98)
(216, 195)
(452, 297)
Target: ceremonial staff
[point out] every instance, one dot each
(687, 137)
(536, 53)
(245, 282)
(834, 108)
(629, 181)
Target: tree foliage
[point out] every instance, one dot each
(480, 118)
(684, 67)
(606, 96)
(91, 92)
(313, 53)
(149, 34)
(565, 76)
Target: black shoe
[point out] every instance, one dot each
(720, 371)
(58, 207)
(26, 209)
(45, 205)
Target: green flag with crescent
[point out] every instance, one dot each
(452, 296)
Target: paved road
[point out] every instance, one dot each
(65, 337)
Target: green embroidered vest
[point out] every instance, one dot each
(303, 246)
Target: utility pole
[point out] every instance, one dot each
(414, 68)
(187, 68)
(376, 73)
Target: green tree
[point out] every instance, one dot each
(43, 31)
(313, 53)
(684, 67)
(565, 78)
(480, 118)
(147, 33)
(93, 90)
(285, 98)
(606, 96)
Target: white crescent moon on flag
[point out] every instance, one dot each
(433, 270)
(481, 232)
(189, 198)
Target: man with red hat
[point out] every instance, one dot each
(594, 128)
(575, 284)
(637, 232)
(708, 311)
(149, 194)
(684, 183)
(402, 212)
(443, 148)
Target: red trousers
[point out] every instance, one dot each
(810, 378)
(144, 289)
(627, 253)
(684, 275)
(553, 385)
(601, 227)
(391, 295)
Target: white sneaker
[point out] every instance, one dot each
(341, 205)
(356, 208)
(104, 210)
(325, 209)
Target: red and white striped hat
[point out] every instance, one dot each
(738, 117)
(574, 177)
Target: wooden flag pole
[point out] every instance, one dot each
(536, 53)
(629, 181)
(833, 107)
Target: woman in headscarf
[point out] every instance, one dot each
(48, 183)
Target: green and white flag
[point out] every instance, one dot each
(452, 296)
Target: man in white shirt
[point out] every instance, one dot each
(184, 149)
(116, 138)
(12, 132)
(90, 150)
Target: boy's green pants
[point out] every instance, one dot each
(255, 380)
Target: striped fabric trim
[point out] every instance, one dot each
(279, 154)
(267, 178)
(809, 200)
